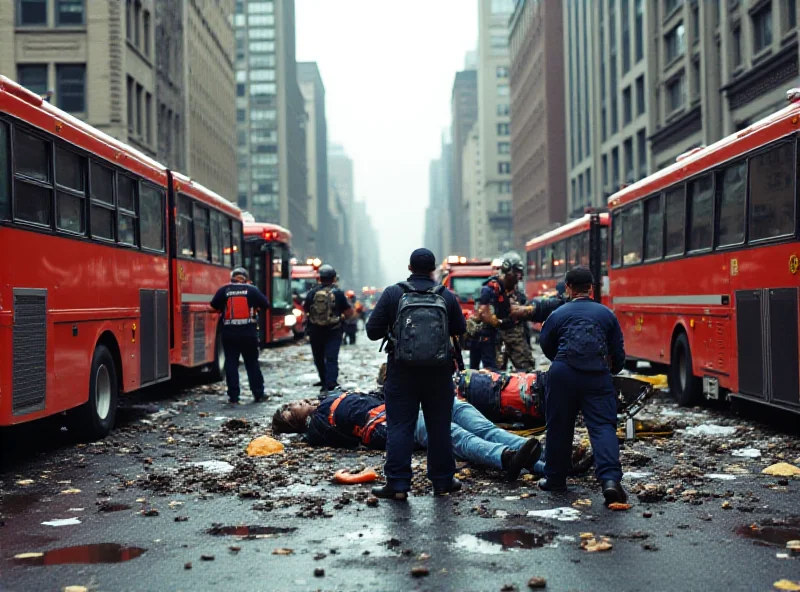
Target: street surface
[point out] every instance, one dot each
(705, 518)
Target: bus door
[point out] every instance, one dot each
(598, 241)
(256, 253)
(280, 294)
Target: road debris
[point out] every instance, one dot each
(781, 469)
(561, 514)
(319, 572)
(264, 446)
(62, 522)
(710, 430)
(787, 585)
(594, 545)
(419, 571)
(536, 582)
(283, 551)
(348, 477)
(619, 507)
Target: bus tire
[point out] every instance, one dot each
(217, 367)
(95, 419)
(683, 384)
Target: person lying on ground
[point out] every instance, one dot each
(351, 419)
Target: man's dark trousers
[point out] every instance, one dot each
(405, 390)
(325, 344)
(247, 348)
(569, 390)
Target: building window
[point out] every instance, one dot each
(791, 14)
(502, 6)
(675, 43)
(503, 148)
(131, 105)
(503, 129)
(33, 77)
(146, 32)
(129, 20)
(262, 75)
(628, 155)
(504, 168)
(260, 20)
(736, 47)
(71, 87)
(639, 31)
(32, 12)
(615, 169)
(502, 71)
(696, 80)
(502, 90)
(626, 36)
(503, 110)
(505, 188)
(627, 106)
(671, 5)
(139, 110)
(762, 28)
(148, 112)
(695, 23)
(262, 46)
(137, 29)
(69, 12)
(641, 141)
(640, 96)
(268, 33)
(604, 171)
(675, 94)
(259, 7)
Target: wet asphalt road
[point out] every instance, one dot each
(689, 543)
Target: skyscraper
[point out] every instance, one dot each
(342, 193)
(464, 111)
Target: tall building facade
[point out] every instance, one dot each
(494, 121)
(472, 191)
(464, 111)
(538, 178)
(270, 115)
(438, 218)
(170, 55)
(210, 94)
(341, 188)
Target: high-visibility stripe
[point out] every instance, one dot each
(205, 298)
(699, 299)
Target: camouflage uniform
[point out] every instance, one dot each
(517, 348)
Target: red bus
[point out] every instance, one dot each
(304, 277)
(267, 256)
(581, 242)
(99, 300)
(465, 278)
(704, 264)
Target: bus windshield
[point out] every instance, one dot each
(301, 286)
(281, 278)
(466, 287)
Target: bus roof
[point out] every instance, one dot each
(31, 108)
(780, 124)
(268, 231)
(304, 272)
(184, 184)
(564, 231)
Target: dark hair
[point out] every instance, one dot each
(580, 279)
(281, 425)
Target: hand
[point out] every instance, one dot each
(520, 312)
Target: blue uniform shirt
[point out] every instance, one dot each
(584, 334)
(237, 303)
(494, 294)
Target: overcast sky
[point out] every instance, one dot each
(388, 70)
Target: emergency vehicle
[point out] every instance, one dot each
(304, 277)
(465, 278)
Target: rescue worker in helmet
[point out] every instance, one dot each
(327, 307)
(351, 324)
(237, 303)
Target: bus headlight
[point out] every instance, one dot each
(290, 320)
(297, 312)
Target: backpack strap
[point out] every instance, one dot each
(438, 290)
(406, 287)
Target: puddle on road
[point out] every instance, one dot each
(83, 554)
(773, 532)
(243, 530)
(494, 542)
(13, 504)
(106, 507)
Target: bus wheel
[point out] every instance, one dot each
(217, 367)
(683, 384)
(95, 418)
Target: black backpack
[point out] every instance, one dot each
(421, 332)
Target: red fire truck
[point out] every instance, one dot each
(465, 278)
(267, 256)
(116, 260)
(704, 264)
(581, 242)
(304, 277)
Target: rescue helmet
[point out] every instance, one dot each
(512, 262)
(327, 272)
(350, 294)
(240, 271)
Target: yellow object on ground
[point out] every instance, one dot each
(659, 381)
(786, 585)
(524, 433)
(781, 469)
(264, 446)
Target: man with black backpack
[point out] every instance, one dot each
(326, 306)
(419, 319)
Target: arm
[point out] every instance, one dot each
(218, 301)
(485, 314)
(457, 322)
(548, 338)
(259, 300)
(537, 311)
(344, 305)
(307, 301)
(379, 321)
(616, 347)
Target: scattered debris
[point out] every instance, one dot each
(71, 491)
(372, 501)
(264, 446)
(347, 477)
(594, 545)
(75, 589)
(560, 514)
(25, 482)
(28, 555)
(619, 507)
(710, 430)
(207, 557)
(781, 469)
(215, 467)
(537, 582)
(62, 522)
(787, 585)
(319, 572)
(419, 571)
(283, 551)
(747, 453)
(187, 565)
(582, 503)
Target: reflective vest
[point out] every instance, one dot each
(375, 417)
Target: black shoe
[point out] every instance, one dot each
(386, 492)
(582, 466)
(613, 492)
(259, 399)
(524, 457)
(547, 485)
(455, 485)
(318, 383)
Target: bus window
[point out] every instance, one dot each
(583, 252)
(532, 263)
(237, 243)
(632, 234)
(226, 241)
(151, 214)
(559, 259)
(547, 262)
(676, 217)
(603, 249)
(616, 246)
(701, 214)
(101, 188)
(71, 191)
(216, 238)
(467, 288)
(5, 177)
(201, 233)
(730, 204)
(126, 201)
(654, 229)
(572, 251)
(32, 168)
(772, 196)
(185, 227)
(281, 280)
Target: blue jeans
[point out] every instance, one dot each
(325, 344)
(593, 393)
(247, 348)
(475, 438)
(405, 390)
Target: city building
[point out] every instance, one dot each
(170, 55)
(437, 214)
(341, 189)
(367, 258)
(271, 118)
(464, 112)
(494, 120)
(539, 171)
(472, 192)
(100, 69)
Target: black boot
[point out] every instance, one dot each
(547, 485)
(455, 485)
(386, 492)
(613, 492)
(524, 457)
(582, 465)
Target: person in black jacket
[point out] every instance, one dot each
(407, 388)
(237, 303)
(584, 341)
